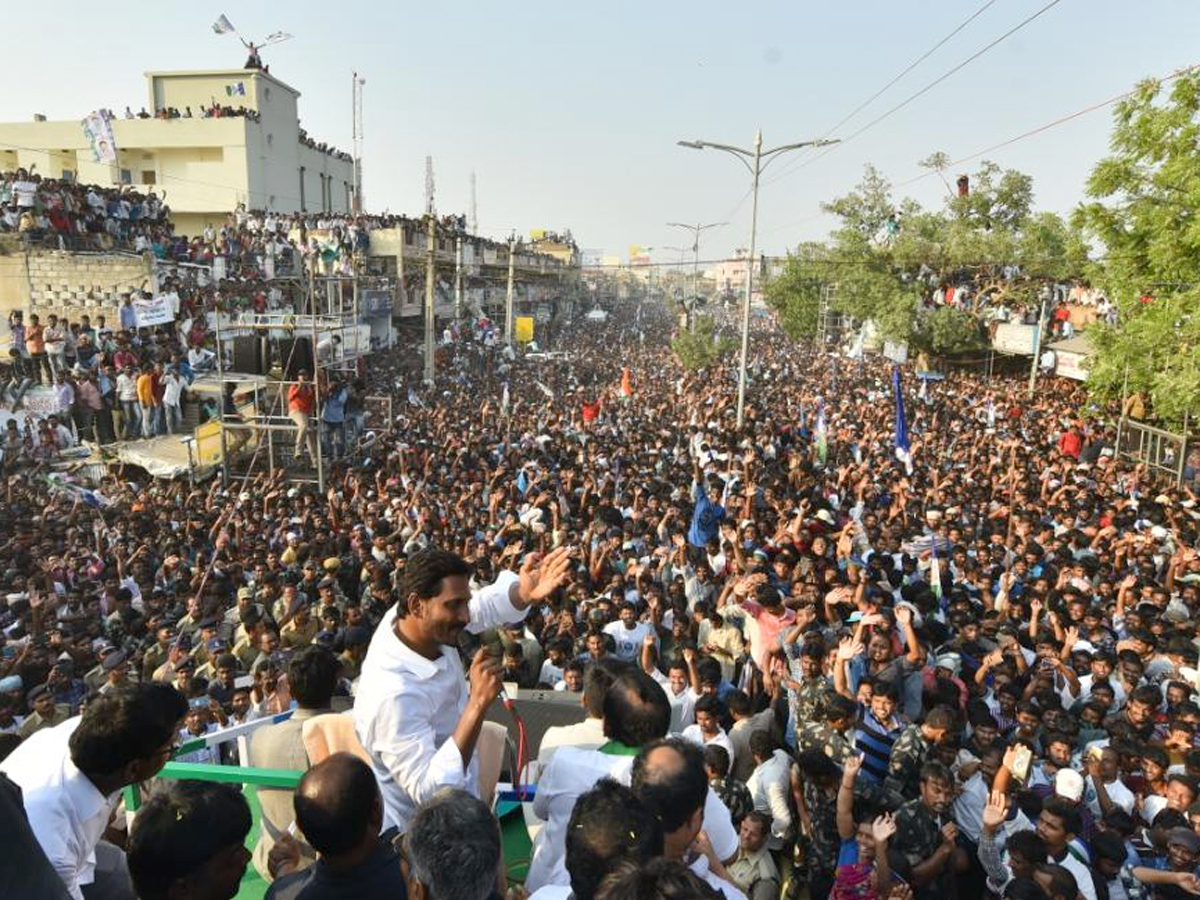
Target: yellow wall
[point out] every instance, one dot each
(206, 167)
(14, 279)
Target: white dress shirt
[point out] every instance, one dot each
(683, 704)
(696, 736)
(552, 892)
(573, 772)
(407, 707)
(585, 735)
(67, 813)
(770, 785)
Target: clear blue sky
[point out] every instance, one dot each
(569, 112)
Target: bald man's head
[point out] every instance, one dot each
(338, 806)
(669, 779)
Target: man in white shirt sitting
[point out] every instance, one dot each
(72, 775)
(636, 712)
(588, 734)
(414, 713)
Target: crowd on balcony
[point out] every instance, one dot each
(213, 111)
(67, 215)
(322, 147)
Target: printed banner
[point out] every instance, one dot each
(97, 127)
(149, 311)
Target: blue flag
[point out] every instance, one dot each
(522, 483)
(822, 432)
(902, 452)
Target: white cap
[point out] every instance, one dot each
(1068, 784)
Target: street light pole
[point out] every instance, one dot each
(508, 299)
(741, 400)
(761, 159)
(696, 229)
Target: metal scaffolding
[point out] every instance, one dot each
(255, 425)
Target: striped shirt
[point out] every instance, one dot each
(874, 740)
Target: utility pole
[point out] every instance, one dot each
(430, 274)
(761, 159)
(474, 212)
(457, 278)
(508, 300)
(356, 100)
(1037, 344)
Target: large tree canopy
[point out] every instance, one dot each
(1143, 216)
(884, 253)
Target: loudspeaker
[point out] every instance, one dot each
(296, 354)
(248, 356)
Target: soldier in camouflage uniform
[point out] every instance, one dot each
(807, 686)
(829, 736)
(818, 842)
(926, 835)
(914, 748)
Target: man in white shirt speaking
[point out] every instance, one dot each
(414, 713)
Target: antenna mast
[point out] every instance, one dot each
(429, 185)
(474, 211)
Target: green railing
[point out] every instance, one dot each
(287, 779)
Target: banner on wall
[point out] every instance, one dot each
(97, 128)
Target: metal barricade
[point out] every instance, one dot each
(1160, 450)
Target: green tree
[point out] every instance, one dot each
(884, 252)
(701, 347)
(1142, 212)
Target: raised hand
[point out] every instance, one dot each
(883, 828)
(848, 648)
(996, 811)
(851, 767)
(540, 579)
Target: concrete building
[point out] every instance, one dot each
(205, 166)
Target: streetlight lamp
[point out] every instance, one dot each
(761, 160)
(696, 229)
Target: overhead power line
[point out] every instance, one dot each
(916, 62)
(919, 93)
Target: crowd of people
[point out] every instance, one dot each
(806, 665)
(72, 216)
(213, 111)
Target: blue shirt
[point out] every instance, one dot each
(335, 407)
(706, 518)
(128, 316)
